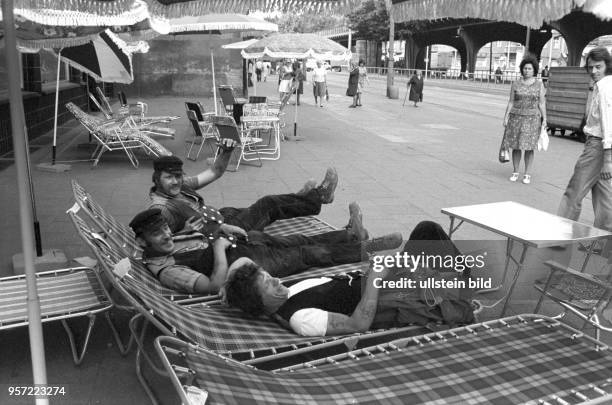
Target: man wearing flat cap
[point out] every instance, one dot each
(185, 211)
(203, 269)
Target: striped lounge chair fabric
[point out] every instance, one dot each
(64, 294)
(526, 359)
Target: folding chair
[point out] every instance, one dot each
(582, 294)
(64, 294)
(202, 131)
(226, 128)
(111, 136)
(228, 98)
(139, 108)
(523, 359)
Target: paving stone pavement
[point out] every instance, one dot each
(402, 164)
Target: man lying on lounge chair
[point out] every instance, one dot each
(354, 303)
(202, 268)
(185, 211)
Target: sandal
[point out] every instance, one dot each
(514, 176)
(526, 179)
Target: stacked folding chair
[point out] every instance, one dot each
(111, 136)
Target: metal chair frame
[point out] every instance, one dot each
(203, 130)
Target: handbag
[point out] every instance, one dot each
(504, 153)
(543, 140)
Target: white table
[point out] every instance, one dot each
(525, 225)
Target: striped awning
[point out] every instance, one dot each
(530, 13)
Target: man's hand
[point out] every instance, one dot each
(606, 170)
(227, 144)
(222, 243)
(193, 224)
(233, 230)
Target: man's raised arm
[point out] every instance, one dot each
(219, 166)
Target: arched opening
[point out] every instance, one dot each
(498, 61)
(554, 52)
(603, 41)
(442, 60)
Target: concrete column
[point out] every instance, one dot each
(471, 50)
(371, 51)
(361, 49)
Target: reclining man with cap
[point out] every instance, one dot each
(203, 268)
(343, 304)
(185, 211)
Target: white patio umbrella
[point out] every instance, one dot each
(296, 46)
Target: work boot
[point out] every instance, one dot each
(355, 226)
(387, 242)
(328, 186)
(309, 185)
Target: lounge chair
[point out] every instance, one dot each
(64, 295)
(111, 135)
(131, 117)
(521, 359)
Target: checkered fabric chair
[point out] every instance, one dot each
(112, 135)
(526, 359)
(64, 294)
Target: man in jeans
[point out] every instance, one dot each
(593, 171)
(185, 211)
(202, 268)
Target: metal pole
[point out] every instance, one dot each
(212, 59)
(490, 58)
(550, 44)
(59, 63)
(527, 39)
(37, 350)
(426, 60)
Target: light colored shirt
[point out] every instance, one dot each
(308, 321)
(319, 74)
(599, 112)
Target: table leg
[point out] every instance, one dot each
(519, 266)
(452, 227)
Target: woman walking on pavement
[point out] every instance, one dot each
(299, 78)
(353, 84)
(416, 87)
(286, 78)
(363, 80)
(319, 82)
(525, 117)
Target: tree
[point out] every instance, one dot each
(306, 22)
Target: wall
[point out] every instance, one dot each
(180, 65)
(39, 111)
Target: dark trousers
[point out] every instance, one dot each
(286, 255)
(272, 208)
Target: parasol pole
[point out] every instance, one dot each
(212, 58)
(20, 145)
(59, 61)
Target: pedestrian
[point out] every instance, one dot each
(545, 74)
(593, 170)
(498, 75)
(319, 82)
(524, 118)
(416, 87)
(285, 79)
(258, 69)
(250, 74)
(299, 78)
(353, 84)
(363, 80)
(266, 71)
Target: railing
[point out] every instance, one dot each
(481, 76)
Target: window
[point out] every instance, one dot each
(48, 68)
